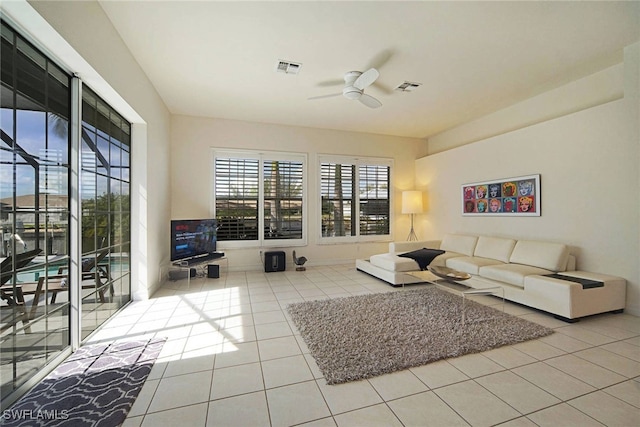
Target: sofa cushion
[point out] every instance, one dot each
(470, 264)
(513, 274)
(550, 256)
(460, 243)
(495, 248)
(423, 256)
(393, 262)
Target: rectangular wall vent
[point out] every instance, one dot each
(288, 67)
(407, 86)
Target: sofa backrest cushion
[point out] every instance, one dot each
(460, 243)
(550, 256)
(494, 248)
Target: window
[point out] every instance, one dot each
(259, 198)
(354, 198)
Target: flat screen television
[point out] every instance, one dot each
(192, 237)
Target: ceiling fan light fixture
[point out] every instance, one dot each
(351, 92)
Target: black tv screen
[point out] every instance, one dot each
(192, 237)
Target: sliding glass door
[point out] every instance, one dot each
(36, 220)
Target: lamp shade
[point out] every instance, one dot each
(411, 202)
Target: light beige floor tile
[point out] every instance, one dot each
(236, 380)
(538, 349)
(278, 347)
(562, 415)
(622, 365)
(397, 384)
(629, 391)
(238, 411)
(475, 365)
(517, 392)
(265, 297)
(295, 404)
(233, 354)
(509, 357)
(273, 330)
(475, 404)
(194, 415)
(607, 409)
(565, 342)
(183, 390)
(315, 370)
(625, 349)
(265, 306)
(348, 396)
(584, 334)
(439, 374)
(544, 320)
(378, 415)
(188, 365)
(132, 422)
(519, 422)
(239, 334)
(585, 371)
(323, 422)
(552, 380)
(425, 410)
(301, 343)
(141, 404)
(286, 370)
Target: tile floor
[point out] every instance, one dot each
(233, 358)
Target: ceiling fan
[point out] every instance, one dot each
(355, 83)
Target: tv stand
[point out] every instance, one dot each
(194, 267)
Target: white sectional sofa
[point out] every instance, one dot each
(537, 274)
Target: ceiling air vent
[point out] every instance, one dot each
(407, 86)
(288, 67)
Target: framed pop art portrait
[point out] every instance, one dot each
(519, 196)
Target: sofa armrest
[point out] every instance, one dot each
(401, 247)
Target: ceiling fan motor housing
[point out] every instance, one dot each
(350, 91)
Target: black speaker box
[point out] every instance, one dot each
(213, 271)
(274, 261)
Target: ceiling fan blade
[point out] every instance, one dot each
(325, 96)
(381, 58)
(370, 101)
(329, 83)
(367, 78)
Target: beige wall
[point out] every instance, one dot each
(588, 162)
(191, 167)
(90, 46)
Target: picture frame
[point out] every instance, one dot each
(517, 196)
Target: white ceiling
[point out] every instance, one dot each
(218, 59)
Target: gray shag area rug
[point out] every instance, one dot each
(359, 337)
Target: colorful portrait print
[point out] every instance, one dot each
(509, 204)
(525, 204)
(469, 206)
(481, 206)
(509, 189)
(495, 205)
(481, 192)
(525, 188)
(495, 190)
(469, 192)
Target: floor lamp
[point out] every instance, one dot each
(412, 204)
